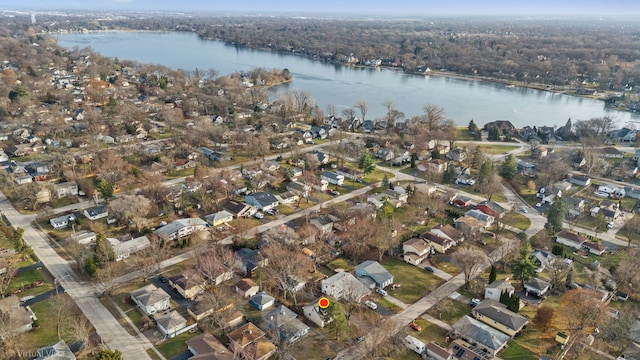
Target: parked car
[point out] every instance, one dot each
(610, 225)
(538, 204)
(524, 210)
(415, 326)
(429, 269)
(258, 215)
(371, 304)
(335, 193)
(474, 302)
(358, 340)
(382, 292)
(162, 279)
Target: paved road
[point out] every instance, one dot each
(106, 325)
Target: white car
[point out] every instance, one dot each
(610, 225)
(524, 210)
(258, 215)
(382, 292)
(538, 204)
(371, 304)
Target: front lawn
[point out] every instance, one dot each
(515, 351)
(389, 305)
(516, 220)
(176, 346)
(340, 263)
(430, 332)
(46, 333)
(415, 282)
(449, 310)
(27, 278)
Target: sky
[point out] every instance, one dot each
(347, 7)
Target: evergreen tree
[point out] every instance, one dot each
(109, 355)
(514, 303)
(486, 172)
(105, 189)
(509, 168)
(90, 266)
(524, 268)
(476, 158)
(555, 217)
(570, 276)
(103, 250)
(504, 297)
(494, 134)
(492, 274)
(449, 175)
(473, 128)
(385, 181)
(366, 164)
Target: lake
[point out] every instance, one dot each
(343, 86)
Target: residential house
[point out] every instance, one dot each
(69, 188)
(239, 210)
(171, 324)
(285, 324)
(344, 285)
(416, 250)
(607, 209)
(436, 166)
(426, 188)
(613, 191)
(542, 259)
(184, 164)
(188, 284)
(458, 155)
(575, 206)
(124, 249)
(468, 225)
(323, 223)
(17, 319)
(397, 197)
(60, 222)
(24, 179)
(492, 208)
(448, 232)
(462, 201)
(262, 301)
(438, 243)
(270, 165)
(611, 153)
(494, 290)
(332, 178)
(486, 220)
(496, 315)
(219, 218)
(436, 352)
(482, 335)
(372, 274)
(562, 186)
(207, 347)
(247, 288)
(249, 341)
(539, 151)
(570, 239)
(287, 197)
(318, 132)
(594, 248)
(323, 158)
(57, 351)
(262, 200)
(299, 188)
(626, 135)
(505, 126)
(348, 173)
(84, 237)
(580, 180)
(180, 228)
(537, 287)
(214, 155)
(462, 350)
(248, 260)
(96, 212)
(151, 299)
(25, 149)
(316, 314)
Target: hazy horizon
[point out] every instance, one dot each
(379, 7)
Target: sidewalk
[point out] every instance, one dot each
(437, 322)
(396, 302)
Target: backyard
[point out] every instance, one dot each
(415, 282)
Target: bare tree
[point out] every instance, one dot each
(6, 275)
(78, 330)
(59, 306)
(287, 266)
(362, 106)
(215, 261)
(131, 208)
(280, 234)
(557, 270)
(582, 309)
(470, 260)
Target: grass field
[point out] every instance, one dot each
(516, 220)
(340, 263)
(430, 332)
(449, 310)
(415, 282)
(176, 346)
(515, 351)
(29, 277)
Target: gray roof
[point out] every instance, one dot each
(171, 320)
(262, 298)
(375, 271)
(96, 210)
(264, 198)
(220, 215)
(482, 333)
(331, 175)
(478, 215)
(149, 295)
(537, 283)
(499, 313)
(176, 225)
(58, 351)
(500, 284)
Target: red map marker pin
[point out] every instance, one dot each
(324, 303)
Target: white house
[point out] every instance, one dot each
(84, 237)
(69, 188)
(60, 221)
(496, 288)
(568, 238)
(262, 200)
(96, 212)
(316, 314)
(151, 299)
(124, 249)
(181, 228)
(332, 178)
(171, 324)
(344, 285)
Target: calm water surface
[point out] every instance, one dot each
(343, 86)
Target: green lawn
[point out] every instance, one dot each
(28, 277)
(152, 354)
(430, 332)
(340, 263)
(176, 346)
(449, 310)
(179, 174)
(463, 134)
(415, 282)
(499, 197)
(493, 149)
(389, 305)
(515, 351)
(47, 333)
(516, 220)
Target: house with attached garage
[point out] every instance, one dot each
(496, 315)
(344, 285)
(372, 274)
(537, 287)
(570, 239)
(492, 208)
(151, 299)
(416, 250)
(171, 324)
(316, 314)
(332, 178)
(180, 228)
(124, 249)
(580, 180)
(485, 219)
(467, 224)
(575, 206)
(594, 248)
(250, 341)
(239, 210)
(448, 232)
(69, 188)
(485, 337)
(438, 243)
(96, 212)
(189, 284)
(219, 218)
(262, 200)
(496, 288)
(84, 237)
(61, 222)
(611, 153)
